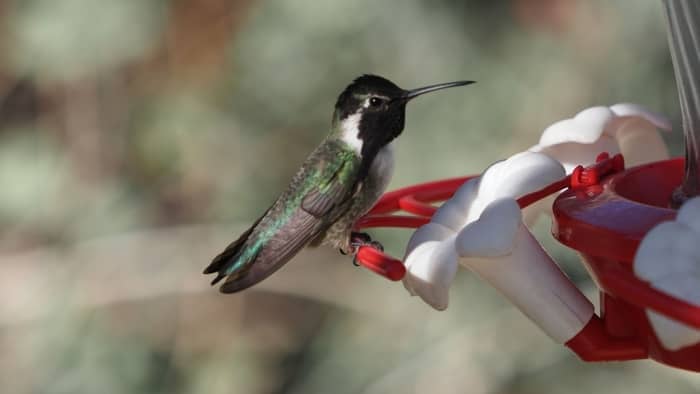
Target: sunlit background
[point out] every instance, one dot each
(137, 138)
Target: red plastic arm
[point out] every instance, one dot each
(418, 200)
(414, 199)
(384, 265)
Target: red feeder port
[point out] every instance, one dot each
(605, 223)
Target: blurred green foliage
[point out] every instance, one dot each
(136, 138)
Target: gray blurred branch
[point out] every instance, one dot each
(150, 264)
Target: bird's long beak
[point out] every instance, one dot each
(427, 89)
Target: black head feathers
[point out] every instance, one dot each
(364, 85)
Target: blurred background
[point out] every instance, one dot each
(137, 138)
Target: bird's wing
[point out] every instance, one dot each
(223, 259)
(319, 198)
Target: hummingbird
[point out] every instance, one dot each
(337, 184)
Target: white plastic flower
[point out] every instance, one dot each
(481, 227)
(669, 258)
(431, 259)
(629, 129)
(624, 128)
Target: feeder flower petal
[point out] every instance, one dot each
(493, 233)
(425, 278)
(669, 258)
(623, 110)
(624, 128)
(584, 128)
(431, 259)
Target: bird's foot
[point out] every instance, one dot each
(358, 240)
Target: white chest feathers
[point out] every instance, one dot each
(383, 167)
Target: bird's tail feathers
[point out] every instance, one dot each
(228, 257)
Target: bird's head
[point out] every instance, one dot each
(371, 111)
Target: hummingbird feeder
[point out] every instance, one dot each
(640, 249)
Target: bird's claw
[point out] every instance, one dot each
(376, 245)
(358, 240)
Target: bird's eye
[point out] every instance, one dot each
(375, 102)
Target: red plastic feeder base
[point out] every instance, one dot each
(605, 222)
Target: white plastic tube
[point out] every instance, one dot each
(525, 274)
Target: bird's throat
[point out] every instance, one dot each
(350, 132)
